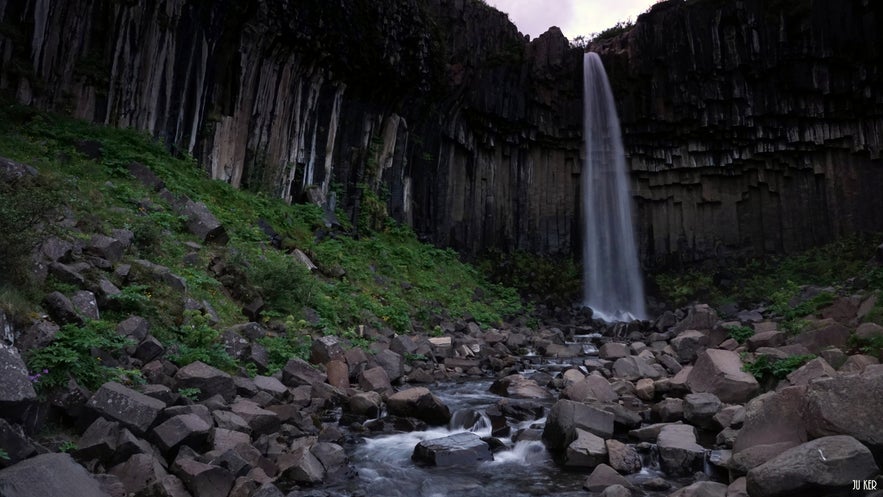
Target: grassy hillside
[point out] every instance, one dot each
(385, 279)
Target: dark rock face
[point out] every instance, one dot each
(461, 449)
(48, 475)
(752, 127)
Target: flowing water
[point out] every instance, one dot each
(611, 274)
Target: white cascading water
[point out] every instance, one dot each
(612, 285)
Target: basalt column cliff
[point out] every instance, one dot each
(750, 126)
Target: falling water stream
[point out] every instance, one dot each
(611, 274)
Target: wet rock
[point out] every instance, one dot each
(679, 454)
(825, 466)
(419, 403)
(566, 416)
(48, 475)
(720, 372)
(517, 386)
(300, 466)
(602, 477)
(366, 404)
(184, 429)
(462, 449)
(586, 451)
(132, 409)
(208, 379)
(298, 372)
(623, 458)
(702, 489)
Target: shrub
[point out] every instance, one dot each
(196, 340)
(25, 204)
(768, 369)
(740, 333)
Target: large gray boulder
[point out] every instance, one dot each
(48, 475)
(586, 451)
(298, 372)
(700, 409)
(847, 405)
(773, 423)
(202, 223)
(633, 368)
(702, 489)
(132, 409)
(566, 416)
(462, 449)
(183, 429)
(419, 403)
(821, 467)
(592, 387)
(720, 372)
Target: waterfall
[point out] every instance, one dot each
(612, 284)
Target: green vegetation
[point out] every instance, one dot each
(67, 446)
(4, 455)
(556, 281)
(767, 369)
(379, 276)
(740, 334)
(81, 352)
(191, 393)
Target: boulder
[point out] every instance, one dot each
(134, 327)
(772, 338)
(332, 456)
(366, 404)
(773, 418)
(16, 388)
(613, 350)
(566, 416)
(855, 363)
(825, 466)
(61, 309)
(846, 405)
(375, 380)
(700, 317)
(298, 372)
(586, 451)
(142, 474)
(202, 223)
(623, 458)
(815, 368)
(324, 349)
(720, 372)
(823, 334)
(48, 475)
(419, 403)
(183, 429)
(679, 454)
(602, 477)
(203, 480)
(700, 409)
(702, 489)
(632, 368)
(462, 449)
(338, 374)
(85, 304)
(208, 379)
(517, 386)
(687, 345)
(393, 363)
(105, 247)
(261, 421)
(591, 387)
(300, 466)
(131, 409)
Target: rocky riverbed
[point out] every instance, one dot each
(661, 408)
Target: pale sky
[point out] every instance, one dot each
(574, 17)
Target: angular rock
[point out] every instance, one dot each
(203, 480)
(623, 458)
(846, 405)
(700, 317)
(815, 368)
(613, 350)
(679, 454)
(687, 345)
(772, 338)
(300, 466)
(462, 449)
(702, 489)
(419, 403)
(298, 372)
(184, 429)
(141, 474)
(16, 389)
(338, 374)
(134, 327)
(48, 475)
(591, 387)
(633, 368)
(825, 466)
(602, 477)
(261, 421)
(324, 349)
(586, 451)
(202, 223)
(375, 380)
(366, 404)
(132, 409)
(566, 416)
(61, 309)
(700, 408)
(105, 247)
(720, 372)
(85, 304)
(517, 386)
(823, 334)
(393, 363)
(208, 379)
(16, 444)
(332, 456)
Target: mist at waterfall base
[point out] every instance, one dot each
(612, 285)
